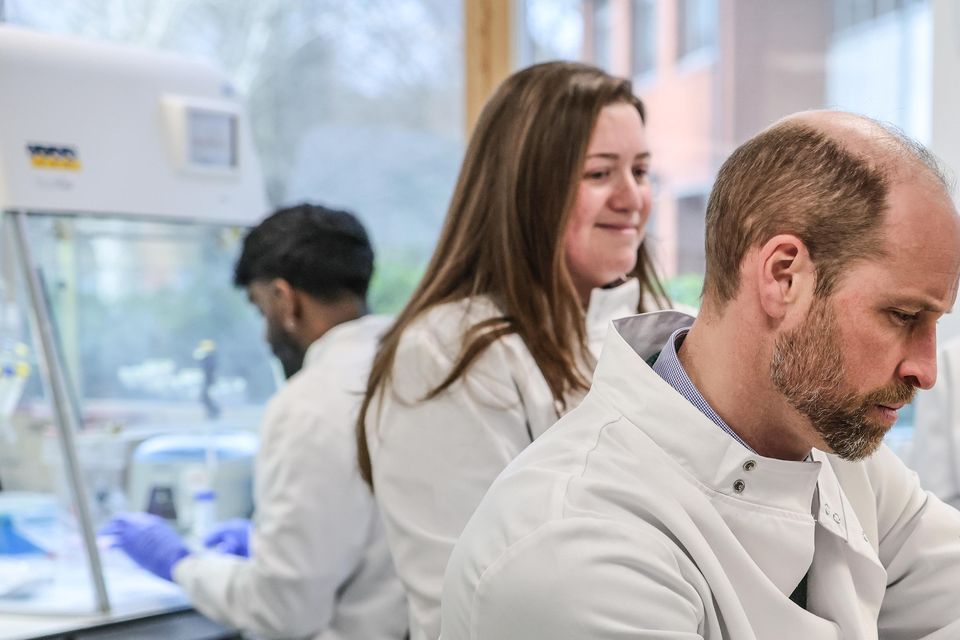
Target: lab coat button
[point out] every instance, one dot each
(749, 465)
(739, 486)
(836, 517)
(826, 509)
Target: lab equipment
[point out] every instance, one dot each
(127, 178)
(25, 522)
(12, 542)
(178, 466)
(204, 515)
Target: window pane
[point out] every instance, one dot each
(184, 344)
(696, 26)
(550, 30)
(600, 37)
(352, 104)
(50, 571)
(25, 411)
(43, 568)
(165, 360)
(644, 37)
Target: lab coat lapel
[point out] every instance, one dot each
(756, 524)
(847, 581)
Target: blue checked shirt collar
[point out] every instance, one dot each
(669, 368)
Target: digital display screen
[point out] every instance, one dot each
(211, 138)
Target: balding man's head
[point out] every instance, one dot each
(880, 145)
(822, 176)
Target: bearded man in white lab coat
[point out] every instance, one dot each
(725, 477)
(314, 562)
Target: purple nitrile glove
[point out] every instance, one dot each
(232, 536)
(149, 541)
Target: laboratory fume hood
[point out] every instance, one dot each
(131, 370)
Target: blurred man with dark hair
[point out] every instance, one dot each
(306, 269)
(314, 562)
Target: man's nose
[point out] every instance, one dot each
(919, 368)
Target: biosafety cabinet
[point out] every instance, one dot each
(132, 372)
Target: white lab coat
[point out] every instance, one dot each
(936, 429)
(319, 566)
(624, 521)
(434, 460)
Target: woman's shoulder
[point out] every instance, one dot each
(431, 345)
(444, 326)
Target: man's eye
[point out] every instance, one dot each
(902, 317)
(639, 173)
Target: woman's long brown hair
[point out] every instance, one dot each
(503, 234)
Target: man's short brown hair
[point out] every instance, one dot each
(795, 179)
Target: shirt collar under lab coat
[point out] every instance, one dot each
(669, 367)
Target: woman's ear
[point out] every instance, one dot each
(786, 275)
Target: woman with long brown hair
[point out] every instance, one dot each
(542, 246)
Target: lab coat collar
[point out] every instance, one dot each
(316, 349)
(606, 303)
(682, 431)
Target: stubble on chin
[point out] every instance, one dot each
(807, 369)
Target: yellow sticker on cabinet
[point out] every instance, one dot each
(49, 156)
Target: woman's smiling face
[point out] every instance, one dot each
(607, 222)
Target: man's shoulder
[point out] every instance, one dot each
(583, 468)
(344, 354)
(332, 383)
(347, 343)
(555, 532)
(561, 548)
(327, 378)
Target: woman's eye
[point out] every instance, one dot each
(639, 173)
(597, 174)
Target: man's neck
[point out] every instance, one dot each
(731, 372)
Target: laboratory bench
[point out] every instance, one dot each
(182, 623)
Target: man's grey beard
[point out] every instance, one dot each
(807, 368)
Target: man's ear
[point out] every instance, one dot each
(287, 303)
(786, 275)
